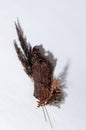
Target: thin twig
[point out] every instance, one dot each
(44, 113)
(48, 117)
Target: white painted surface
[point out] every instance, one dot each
(61, 27)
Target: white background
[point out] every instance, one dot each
(60, 25)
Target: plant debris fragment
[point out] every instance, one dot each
(47, 88)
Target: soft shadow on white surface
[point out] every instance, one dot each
(60, 26)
